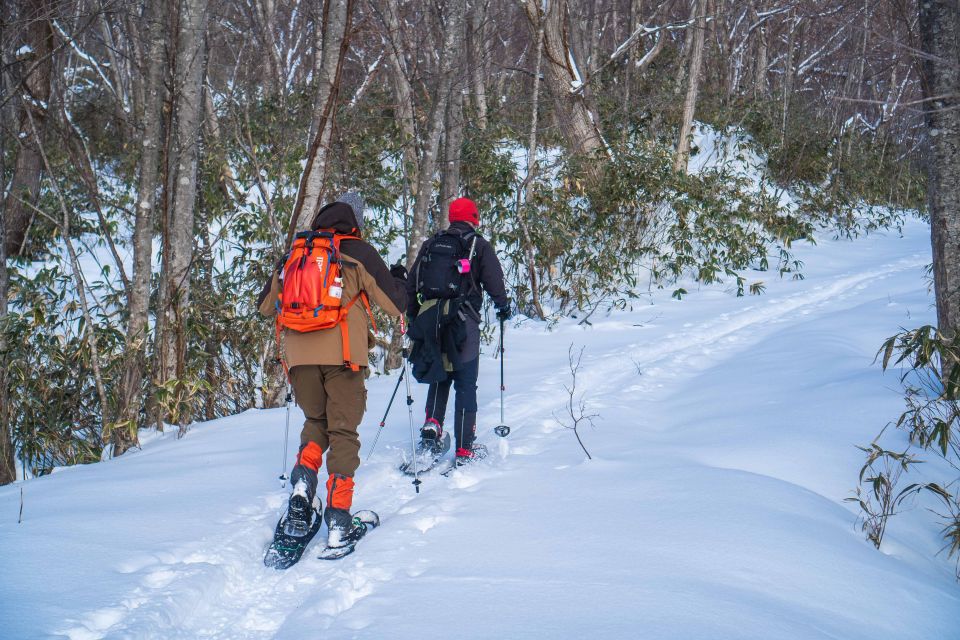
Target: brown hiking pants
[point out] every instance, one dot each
(333, 399)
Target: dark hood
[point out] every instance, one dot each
(461, 227)
(337, 216)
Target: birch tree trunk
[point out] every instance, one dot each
(148, 82)
(940, 38)
(36, 62)
(697, 10)
(190, 71)
(331, 41)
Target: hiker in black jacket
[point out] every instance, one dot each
(445, 295)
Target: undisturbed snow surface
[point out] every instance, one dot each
(713, 508)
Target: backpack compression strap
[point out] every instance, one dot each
(345, 330)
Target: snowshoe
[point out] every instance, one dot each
(343, 537)
(294, 531)
(466, 456)
(429, 453)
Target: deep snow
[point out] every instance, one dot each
(714, 506)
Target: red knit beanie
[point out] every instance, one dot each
(464, 210)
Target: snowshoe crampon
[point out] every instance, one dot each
(429, 453)
(362, 523)
(294, 532)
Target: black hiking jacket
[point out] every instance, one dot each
(486, 276)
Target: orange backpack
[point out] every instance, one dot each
(311, 287)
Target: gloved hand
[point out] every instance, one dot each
(504, 313)
(398, 270)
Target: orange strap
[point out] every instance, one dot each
(345, 331)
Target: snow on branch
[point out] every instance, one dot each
(576, 86)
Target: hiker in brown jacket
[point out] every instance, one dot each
(327, 378)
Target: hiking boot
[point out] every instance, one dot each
(342, 528)
(431, 431)
(470, 454)
(301, 510)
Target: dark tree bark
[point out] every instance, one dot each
(8, 472)
(36, 64)
(940, 38)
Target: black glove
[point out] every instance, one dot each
(399, 271)
(504, 313)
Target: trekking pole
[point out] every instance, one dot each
(502, 429)
(413, 444)
(286, 438)
(384, 421)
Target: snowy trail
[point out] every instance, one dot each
(676, 351)
(676, 452)
(215, 591)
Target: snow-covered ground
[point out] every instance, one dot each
(713, 508)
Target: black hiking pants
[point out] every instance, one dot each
(464, 382)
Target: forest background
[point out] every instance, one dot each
(156, 158)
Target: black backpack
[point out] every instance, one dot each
(444, 268)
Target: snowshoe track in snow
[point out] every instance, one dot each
(220, 588)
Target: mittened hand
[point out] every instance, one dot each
(398, 270)
(504, 314)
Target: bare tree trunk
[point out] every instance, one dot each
(404, 115)
(940, 38)
(332, 41)
(452, 41)
(403, 112)
(190, 71)
(528, 182)
(760, 87)
(452, 143)
(8, 471)
(563, 79)
(788, 76)
(148, 82)
(37, 62)
(697, 10)
(636, 16)
(264, 16)
(477, 43)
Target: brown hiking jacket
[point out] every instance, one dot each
(363, 270)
